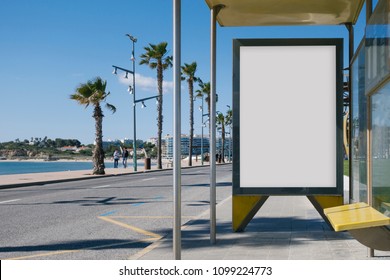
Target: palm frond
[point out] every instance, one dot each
(155, 54)
(79, 99)
(153, 65)
(145, 59)
(92, 92)
(111, 107)
(168, 62)
(199, 94)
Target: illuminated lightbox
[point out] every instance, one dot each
(287, 101)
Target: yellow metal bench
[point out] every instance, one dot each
(365, 223)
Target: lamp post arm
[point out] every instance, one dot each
(123, 69)
(144, 99)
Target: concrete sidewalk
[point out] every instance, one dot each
(22, 180)
(285, 228)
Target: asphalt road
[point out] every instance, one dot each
(112, 218)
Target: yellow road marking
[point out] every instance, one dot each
(146, 217)
(154, 236)
(42, 255)
(146, 250)
(79, 250)
(139, 230)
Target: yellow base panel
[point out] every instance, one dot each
(326, 201)
(320, 202)
(244, 208)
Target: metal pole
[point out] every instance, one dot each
(213, 170)
(351, 51)
(370, 251)
(230, 143)
(201, 143)
(177, 129)
(134, 113)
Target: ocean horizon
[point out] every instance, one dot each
(24, 167)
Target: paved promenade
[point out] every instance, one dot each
(285, 228)
(16, 180)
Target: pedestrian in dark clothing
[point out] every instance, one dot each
(125, 155)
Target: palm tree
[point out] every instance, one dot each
(156, 57)
(229, 123)
(188, 73)
(229, 117)
(94, 93)
(221, 121)
(204, 91)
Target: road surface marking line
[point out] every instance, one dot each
(139, 230)
(100, 187)
(154, 245)
(7, 201)
(146, 250)
(148, 217)
(183, 227)
(138, 204)
(109, 213)
(83, 249)
(148, 179)
(43, 255)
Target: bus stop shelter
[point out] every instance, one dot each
(237, 13)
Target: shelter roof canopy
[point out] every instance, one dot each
(287, 12)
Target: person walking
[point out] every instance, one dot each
(116, 156)
(125, 155)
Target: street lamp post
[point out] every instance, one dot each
(134, 40)
(201, 142)
(131, 90)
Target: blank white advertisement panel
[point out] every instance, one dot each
(287, 116)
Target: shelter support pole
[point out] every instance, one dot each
(213, 169)
(370, 252)
(350, 112)
(177, 129)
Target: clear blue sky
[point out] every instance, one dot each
(49, 47)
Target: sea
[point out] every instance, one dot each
(23, 167)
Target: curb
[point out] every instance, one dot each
(55, 181)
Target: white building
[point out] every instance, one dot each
(167, 146)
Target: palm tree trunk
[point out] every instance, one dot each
(160, 116)
(191, 93)
(223, 143)
(98, 153)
